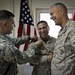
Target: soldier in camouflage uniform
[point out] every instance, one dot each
(42, 57)
(63, 62)
(9, 54)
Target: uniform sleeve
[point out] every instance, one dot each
(44, 58)
(70, 45)
(13, 55)
(20, 40)
(72, 38)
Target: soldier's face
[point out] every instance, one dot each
(43, 30)
(55, 13)
(9, 25)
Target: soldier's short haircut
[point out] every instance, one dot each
(5, 14)
(42, 22)
(61, 5)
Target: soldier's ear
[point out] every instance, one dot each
(48, 28)
(4, 23)
(62, 11)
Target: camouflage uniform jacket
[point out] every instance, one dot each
(42, 66)
(63, 62)
(10, 55)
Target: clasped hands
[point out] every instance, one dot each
(49, 56)
(35, 40)
(39, 43)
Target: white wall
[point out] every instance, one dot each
(6, 4)
(14, 6)
(36, 4)
(48, 3)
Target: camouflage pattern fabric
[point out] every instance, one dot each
(63, 62)
(10, 56)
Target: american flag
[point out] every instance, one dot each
(26, 25)
(74, 17)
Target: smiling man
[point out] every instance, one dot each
(43, 57)
(63, 62)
